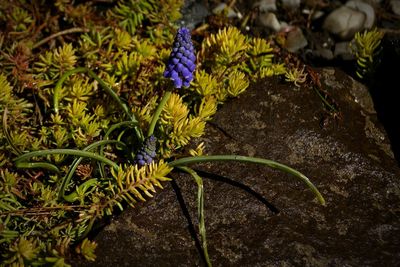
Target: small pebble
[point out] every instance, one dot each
(367, 9)
(343, 50)
(295, 40)
(265, 5)
(269, 20)
(344, 22)
(395, 5)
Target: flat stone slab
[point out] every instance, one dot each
(349, 160)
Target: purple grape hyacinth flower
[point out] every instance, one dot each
(182, 61)
(147, 153)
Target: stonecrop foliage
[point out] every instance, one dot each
(366, 46)
(79, 84)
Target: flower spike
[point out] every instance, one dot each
(182, 61)
(147, 152)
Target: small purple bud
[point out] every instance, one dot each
(186, 73)
(147, 152)
(191, 67)
(178, 68)
(174, 75)
(178, 83)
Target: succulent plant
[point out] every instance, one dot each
(366, 47)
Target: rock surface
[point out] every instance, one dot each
(350, 161)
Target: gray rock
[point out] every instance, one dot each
(367, 9)
(269, 20)
(395, 4)
(295, 40)
(343, 50)
(324, 53)
(349, 160)
(194, 13)
(344, 22)
(265, 5)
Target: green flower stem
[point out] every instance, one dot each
(109, 91)
(118, 125)
(114, 95)
(200, 210)
(158, 112)
(109, 131)
(37, 165)
(75, 163)
(123, 105)
(73, 152)
(272, 164)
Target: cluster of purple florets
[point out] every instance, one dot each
(182, 60)
(148, 151)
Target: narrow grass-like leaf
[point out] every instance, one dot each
(273, 164)
(76, 162)
(200, 210)
(73, 152)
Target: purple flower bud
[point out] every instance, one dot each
(179, 67)
(186, 73)
(182, 60)
(177, 82)
(147, 152)
(191, 68)
(173, 74)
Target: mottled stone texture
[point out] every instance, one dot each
(350, 161)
